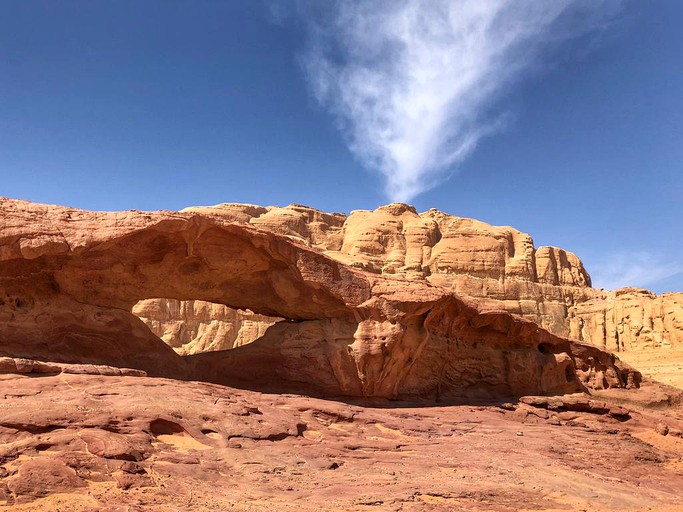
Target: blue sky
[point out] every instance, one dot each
(166, 104)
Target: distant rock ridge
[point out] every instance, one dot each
(195, 326)
(629, 319)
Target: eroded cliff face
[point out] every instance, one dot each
(498, 266)
(466, 255)
(69, 279)
(629, 319)
(195, 326)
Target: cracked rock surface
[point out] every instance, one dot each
(86, 442)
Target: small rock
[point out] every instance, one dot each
(132, 467)
(619, 413)
(110, 445)
(662, 429)
(675, 432)
(520, 433)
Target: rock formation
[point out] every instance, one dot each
(629, 319)
(100, 442)
(498, 266)
(380, 316)
(195, 326)
(69, 279)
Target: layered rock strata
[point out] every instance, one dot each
(69, 279)
(629, 319)
(498, 266)
(195, 326)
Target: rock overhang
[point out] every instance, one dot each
(77, 274)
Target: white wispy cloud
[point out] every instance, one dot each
(639, 269)
(412, 82)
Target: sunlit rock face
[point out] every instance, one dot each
(472, 258)
(195, 326)
(497, 265)
(629, 319)
(70, 279)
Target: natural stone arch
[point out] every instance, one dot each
(71, 277)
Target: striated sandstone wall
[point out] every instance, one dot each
(195, 326)
(497, 265)
(629, 319)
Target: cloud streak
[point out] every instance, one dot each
(413, 83)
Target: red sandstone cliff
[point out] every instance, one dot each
(498, 266)
(69, 279)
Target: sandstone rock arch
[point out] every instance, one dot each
(69, 278)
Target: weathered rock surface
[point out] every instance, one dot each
(88, 421)
(46, 325)
(195, 326)
(629, 319)
(498, 266)
(469, 257)
(30, 366)
(96, 443)
(70, 278)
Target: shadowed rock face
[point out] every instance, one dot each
(69, 279)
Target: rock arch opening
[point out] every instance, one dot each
(196, 326)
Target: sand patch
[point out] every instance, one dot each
(386, 430)
(182, 441)
(668, 443)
